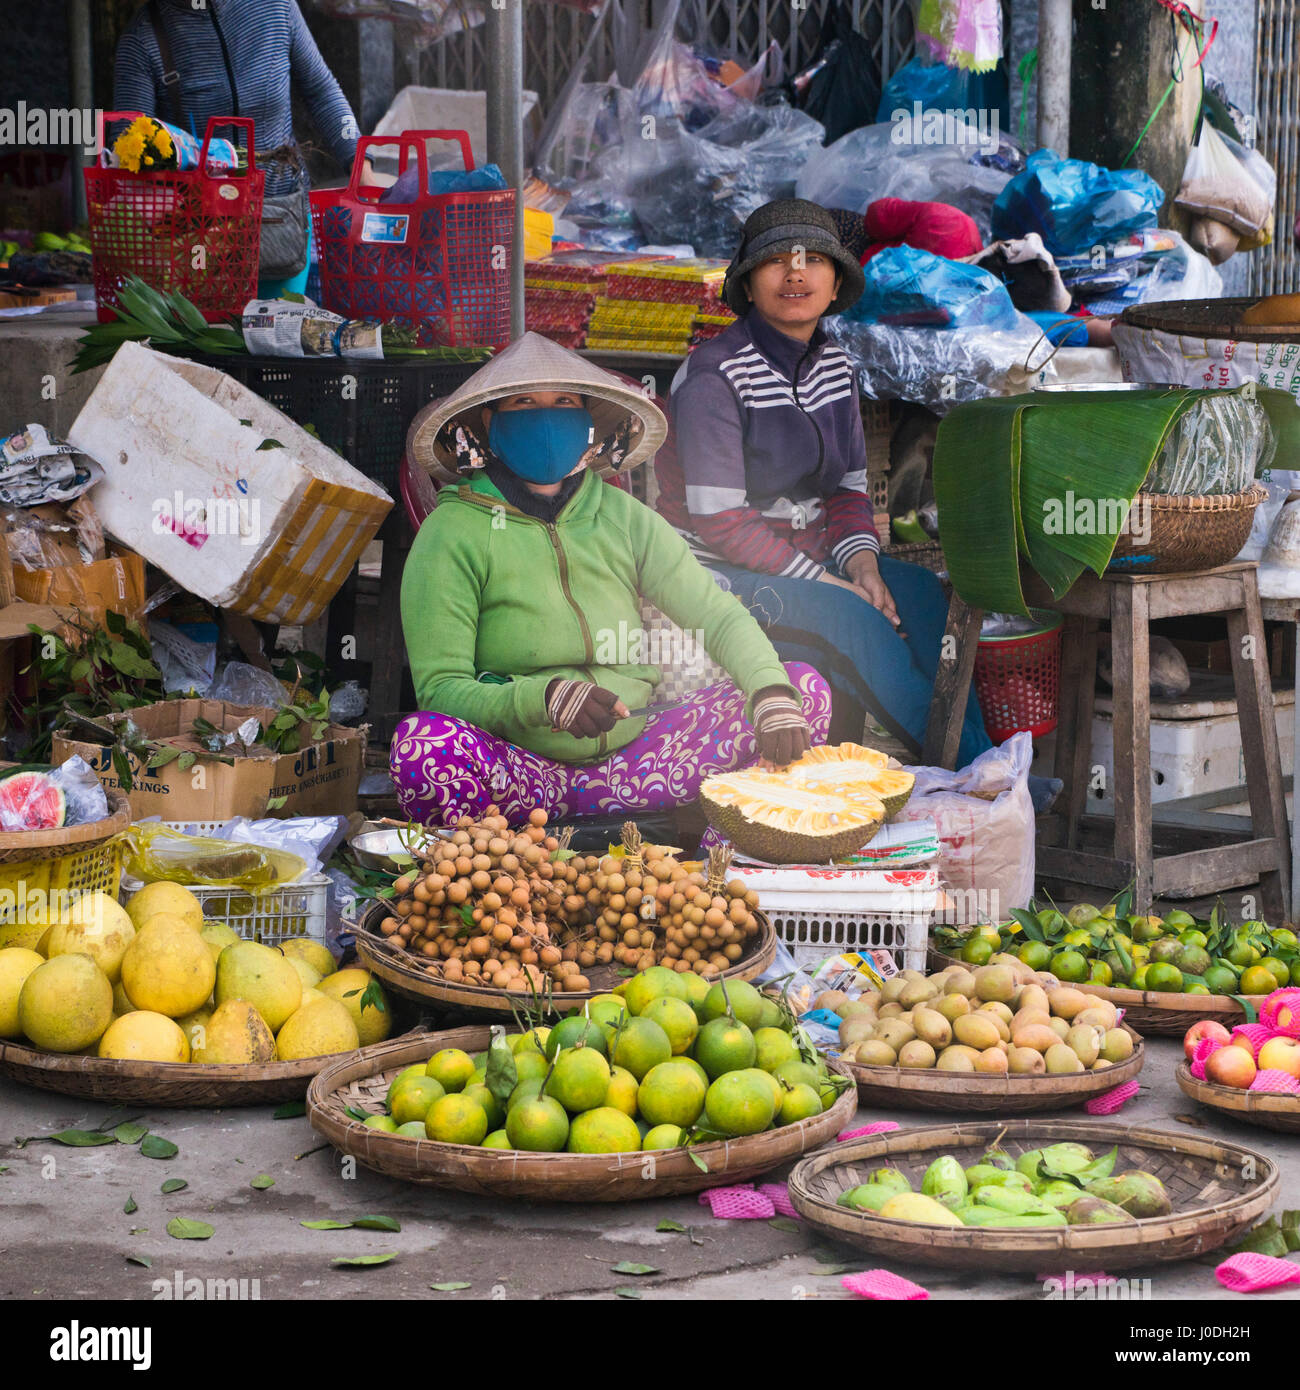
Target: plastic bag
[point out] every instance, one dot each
(1280, 483)
(962, 33)
(938, 87)
(313, 839)
(1227, 182)
(84, 798)
(1074, 205)
(487, 178)
(843, 90)
(906, 286)
(1216, 447)
(675, 84)
(156, 851)
(186, 665)
(591, 120)
(985, 821)
(242, 684)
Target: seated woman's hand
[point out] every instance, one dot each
(583, 709)
(780, 727)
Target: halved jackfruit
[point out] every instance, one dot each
(769, 816)
(853, 770)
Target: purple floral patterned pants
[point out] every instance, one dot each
(443, 768)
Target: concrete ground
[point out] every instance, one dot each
(65, 1234)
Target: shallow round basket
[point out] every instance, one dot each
(399, 969)
(362, 1079)
(1213, 1201)
(1208, 318)
(911, 1088)
(1153, 1013)
(172, 1085)
(1188, 533)
(18, 846)
(1269, 1111)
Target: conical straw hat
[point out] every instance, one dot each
(534, 363)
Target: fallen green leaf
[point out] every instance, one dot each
(290, 1110)
(139, 1231)
(80, 1138)
(155, 1146)
(628, 1267)
(451, 1287)
(826, 1271)
(144, 1260)
(174, 1184)
(130, 1132)
(783, 1223)
(327, 1225)
(667, 1225)
(182, 1228)
(377, 1223)
(629, 1293)
(262, 1181)
(268, 444)
(364, 1259)
(130, 1207)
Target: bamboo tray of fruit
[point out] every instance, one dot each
(1194, 1195)
(1165, 972)
(1268, 1110)
(490, 918)
(349, 1104)
(992, 1038)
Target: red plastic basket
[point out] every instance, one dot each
(1017, 680)
(442, 260)
(155, 225)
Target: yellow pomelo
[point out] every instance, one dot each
(121, 1004)
(236, 1032)
(65, 1004)
(307, 973)
(218, 936)
(168, 969)
(195, 1027)
(261, 975)
(316, 1030)
(145, 1037)
(310, 994)
(170, 898)
(25, 934)
(347, 986)
(96, 926)
(43, 944)
(315, 953)
(16, 964)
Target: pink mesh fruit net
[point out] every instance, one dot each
(1251, 1272)
(1201, 1054)
(880, 1127)
(737, 1204)
(1255, 1034)
(1110, 1101)
(1281, 1012)
(881, 1284)
(779, 1195)
(1277, 1082)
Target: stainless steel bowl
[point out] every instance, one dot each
(386, 850)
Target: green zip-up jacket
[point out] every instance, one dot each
(497, 604)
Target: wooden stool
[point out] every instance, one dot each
(1130, 602)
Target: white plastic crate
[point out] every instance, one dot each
(812, 936)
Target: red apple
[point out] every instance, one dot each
(1207, 1028)
(1280, 1054)
(1231, 1066)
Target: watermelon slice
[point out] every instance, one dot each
(31, 801)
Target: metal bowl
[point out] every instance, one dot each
(386, 851)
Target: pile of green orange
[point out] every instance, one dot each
(668, 1061)
(1173, 954)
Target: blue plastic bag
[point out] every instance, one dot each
(1074, 205)
(941, 88)
(483, 180)
(909, 288)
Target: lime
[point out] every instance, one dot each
(451, 1068)
(1196, 987)
(978, 950)
(740, 1103)
(1100, 972)
(580, 1079)
(525, 1090)
(1164, 978)
(383, 1122)
(498, 1139)
(538, 1125)
(1037, 955)
(534, 1040)
(530, 1066)
(723, 1046)
(1257, 979)
(621, 1093)
(745, 1001)
(603, 1131)
(778, 1091)
(1240, 953)
(416, 1070)
(1220, 979)
(695, 1067)
(1138, 979)
(676, 1018)
(456, 1119)
(1069, 966)
(569, 1032)
(829, 1092)
(770, 1016)
(1295, 972)
(412, 1098)
(1108, 912)
(641, 1044)
(671, 1094)
(412, 1129)
(772, 1047)
(1167, 951)
(799, 1103)
(1193, 936)
(695, 990)
(1078, 937)
(1284, 939)
(1081, 914)
(798, 1074)
(988, 932)
(1178, 920)
(1195, 961)
(650, 984)
(608, 1009)
(1144, 929)
(663, 1137)
(1279, 970)
(492, 1108)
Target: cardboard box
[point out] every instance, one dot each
(222, 491)
(115, 585)
(320, 779)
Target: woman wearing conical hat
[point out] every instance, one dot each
(521, 607)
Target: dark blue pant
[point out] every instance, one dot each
(858, 649)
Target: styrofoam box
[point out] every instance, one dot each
(820, 912)
(439, 108)
(1195, 744)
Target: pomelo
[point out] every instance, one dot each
(261, 975)
(65, 1004)
(314, 953)
(171, 898)
(95, 926)
(16, 964)
(168, 969)
(141, 1036)
(317, 1029)
(347, 986)
(235, 1034)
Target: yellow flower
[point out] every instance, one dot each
(163, 141)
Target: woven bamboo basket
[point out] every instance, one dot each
(909, 1088)
(172, 1085)
(1153, 1013)
(927, 554)
(1208, 318)
(399, 969)
(18, 846)
(1189, 533)
(362, 1079)
(1253, 1107)
(1213, 1201)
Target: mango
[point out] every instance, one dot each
(1088, 1210)
(1009, 1199)
(1140, 1194)
(916, 1206)
(986, 1175)
(890, 1177)
(867, 1196)
(945, 1181)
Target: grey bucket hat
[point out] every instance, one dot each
(776, 229)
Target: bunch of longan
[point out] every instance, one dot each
(704, 921)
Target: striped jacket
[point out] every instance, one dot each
(235, 58)
(769, 472)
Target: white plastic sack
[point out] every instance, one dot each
(985, 820)
(1227, 182)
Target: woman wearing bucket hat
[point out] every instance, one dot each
(769, 481)
(520, 606)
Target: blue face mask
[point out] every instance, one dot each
(541, 446)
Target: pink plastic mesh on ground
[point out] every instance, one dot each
(880, 1127)
(1201, 1054)
(1251, 1273)
(737, 1204)
(881, 1284)
(1110, 1101)
(779, 1195)
(1255, 1034)
(1281, 1012)
(1278, 1082)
